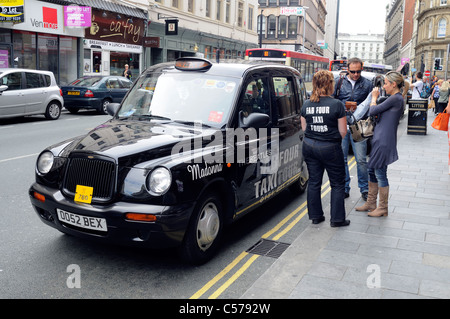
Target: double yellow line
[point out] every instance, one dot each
(300, 210)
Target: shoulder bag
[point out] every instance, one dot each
(362, 129)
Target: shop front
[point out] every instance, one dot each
(41, 41)
(113, 40)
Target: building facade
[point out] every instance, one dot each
(296, 25)
(393, 31)
(125, 32)
(433, 37)
(219, 29)
(367, 47)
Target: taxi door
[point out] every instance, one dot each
(252, 144)
(275, 160)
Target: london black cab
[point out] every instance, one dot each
(193, 146)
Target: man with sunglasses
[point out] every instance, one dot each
(354, 88)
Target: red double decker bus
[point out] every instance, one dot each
(307, 64)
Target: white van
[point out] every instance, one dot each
(28, 92)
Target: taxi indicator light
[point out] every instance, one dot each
(39, 197)
(192, 64)
(140, 217)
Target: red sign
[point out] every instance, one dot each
(427, 73)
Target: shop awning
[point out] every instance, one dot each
(105, 5)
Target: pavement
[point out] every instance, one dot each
(405, 255)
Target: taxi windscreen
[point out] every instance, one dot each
(185, 97)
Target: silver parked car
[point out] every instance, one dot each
(28, 92)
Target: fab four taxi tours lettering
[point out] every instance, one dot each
(288, 167)
(317, 117)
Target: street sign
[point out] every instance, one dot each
(427, 73)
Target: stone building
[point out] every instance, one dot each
(433, 36)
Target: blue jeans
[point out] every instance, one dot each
(320, 156)
(360, 151)
(379, 175)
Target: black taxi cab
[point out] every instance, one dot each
(193, 146)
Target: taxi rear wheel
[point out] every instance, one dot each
(204, 232)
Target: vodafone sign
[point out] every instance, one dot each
(47, 18)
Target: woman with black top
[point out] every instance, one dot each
(325, 125)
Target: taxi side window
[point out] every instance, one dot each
(285, 97)
(13, 81)
(256, 98)
(302, 96)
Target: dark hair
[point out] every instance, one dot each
(419, 75)
(355, 61)
(323, 84)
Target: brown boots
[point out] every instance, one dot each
(382, 209)
(371, 203)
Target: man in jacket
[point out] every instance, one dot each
(354, 88)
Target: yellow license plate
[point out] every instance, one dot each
(73, 92)
(83, 194)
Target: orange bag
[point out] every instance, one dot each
(441, 122)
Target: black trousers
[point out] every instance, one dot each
(323, 156)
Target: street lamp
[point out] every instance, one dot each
(304, 27)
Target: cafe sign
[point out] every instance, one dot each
(115, 27)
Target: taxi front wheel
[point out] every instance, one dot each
(204, 231)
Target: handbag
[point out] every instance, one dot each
(431, 104)
(441, 121)
(362, 129)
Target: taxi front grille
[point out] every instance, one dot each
(96, 173)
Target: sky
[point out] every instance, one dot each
(362, 16)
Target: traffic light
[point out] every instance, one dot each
(437, 63)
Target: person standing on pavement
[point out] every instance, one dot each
(127, 72)
(417, 86)
(384, 142)
(354, 88)
(444, 92)
(324, 123)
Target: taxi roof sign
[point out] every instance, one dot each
(192, 64)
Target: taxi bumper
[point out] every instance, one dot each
(166, 231)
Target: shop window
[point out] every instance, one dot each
(48, 52)
(68, 52)
(24, 45)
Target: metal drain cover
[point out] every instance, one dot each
(269, 248)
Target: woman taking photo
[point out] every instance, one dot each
(324, 123)
(384, 142)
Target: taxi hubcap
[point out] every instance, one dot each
(208, 226)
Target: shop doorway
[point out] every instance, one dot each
(97, 62)
(5, 56)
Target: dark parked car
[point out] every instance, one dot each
(95, 92)
(194, 146)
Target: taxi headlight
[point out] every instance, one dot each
(45, 162)
(159, 180)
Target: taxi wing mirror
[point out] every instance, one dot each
(112, 108)
(256, 120)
